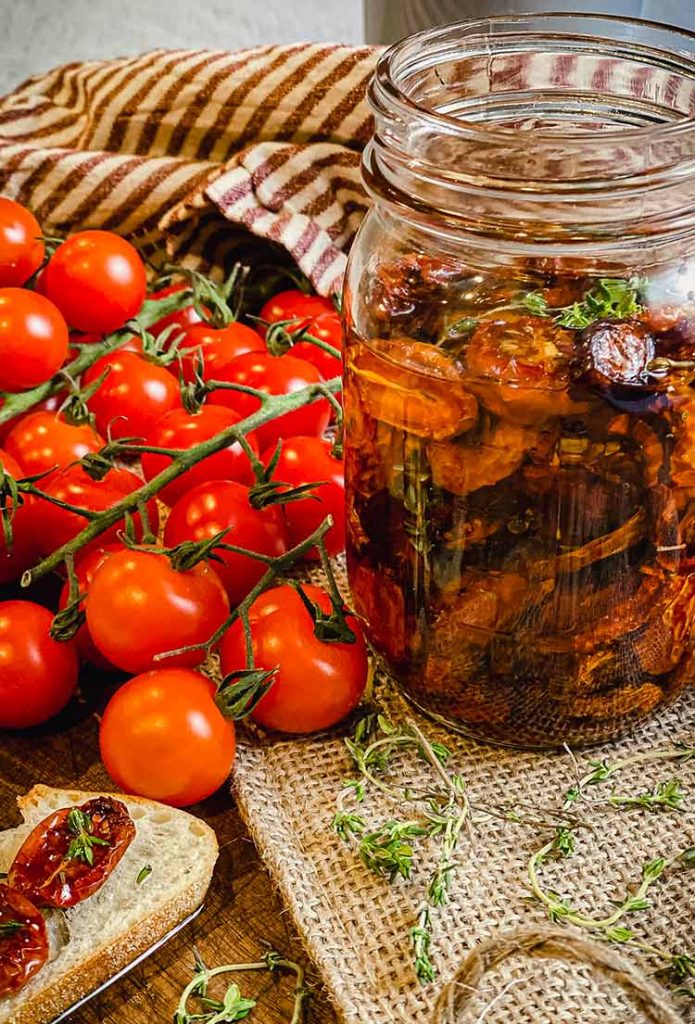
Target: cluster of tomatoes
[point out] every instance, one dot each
(164, 734)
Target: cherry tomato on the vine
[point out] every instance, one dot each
(273, 375)
(21, 248)
(224, 505)
(33, 339)
(305, 460)
(163, 737)
(97, 280)
(43, 868)
(294, 306)
(139, 606)
(56, 526)
(38, 675)
(85, 568)
(180, 429)
(329, 329)
(50, 404)
(23, 949)
(23, 551)
(217, 346)
(134, 396)
(44, 440)
(317, 683)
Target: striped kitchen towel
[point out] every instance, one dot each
(189, 151)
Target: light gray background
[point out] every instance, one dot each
(36, 35)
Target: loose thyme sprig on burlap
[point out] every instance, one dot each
(441, 812)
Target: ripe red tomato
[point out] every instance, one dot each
(220, 505)
(97, 281)
(180, 429)
(317, 683)
(23, 950)
(44, 440)
(21, 250)
(295, 306)
(24, 551)
(56, 526)
(38, 675)
(305, 460)
(163, 737)
(134, 396)
(51, 404)
(273, 375)
(182, 318)
(218, 345)
(139, 606)
(85, 568)
(328, 328)
(33, 339)
(43, 868)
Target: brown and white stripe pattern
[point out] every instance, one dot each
(189, 151)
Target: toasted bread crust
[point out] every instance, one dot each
(107, 959)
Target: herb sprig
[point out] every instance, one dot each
(390, 850)
(82, 846)
(10, 927)
(610, 298)
(234, 1006)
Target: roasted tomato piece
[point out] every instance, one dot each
(71, 853)
(615, 352)
(23, 940)
(461, 468)
(414, 387)
(520, 367)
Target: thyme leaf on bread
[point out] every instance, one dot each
(81, 847)
(8, 928)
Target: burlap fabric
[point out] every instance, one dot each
(355, 926)
(193, 153)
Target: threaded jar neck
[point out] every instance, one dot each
(540, 128)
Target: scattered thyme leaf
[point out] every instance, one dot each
(143, 873)
(8, 928)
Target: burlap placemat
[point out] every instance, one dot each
(356, 926)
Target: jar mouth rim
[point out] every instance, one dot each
(386, 73)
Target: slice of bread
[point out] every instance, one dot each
(92, 941)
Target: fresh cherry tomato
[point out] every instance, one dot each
(44, 441)
(181, 318)
(38, 675)
(317, 683)
(329, 329)
(97, 281)
(305, 460)
(51, 404)
(85, 568)
(293, 306)
(224, 505)
(180, 429)
(273, 375)
(217, 345)
(21, 248)
(69, 855)
(134, 396)
(56, 526)
(33, 339)
(162, 736)
(23, 551)
(139, 606)
(23, 940)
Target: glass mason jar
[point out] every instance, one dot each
(519, 370)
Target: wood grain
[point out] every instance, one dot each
(242, 914)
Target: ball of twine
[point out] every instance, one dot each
(553, 944)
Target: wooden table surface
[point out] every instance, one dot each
(242, 910)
